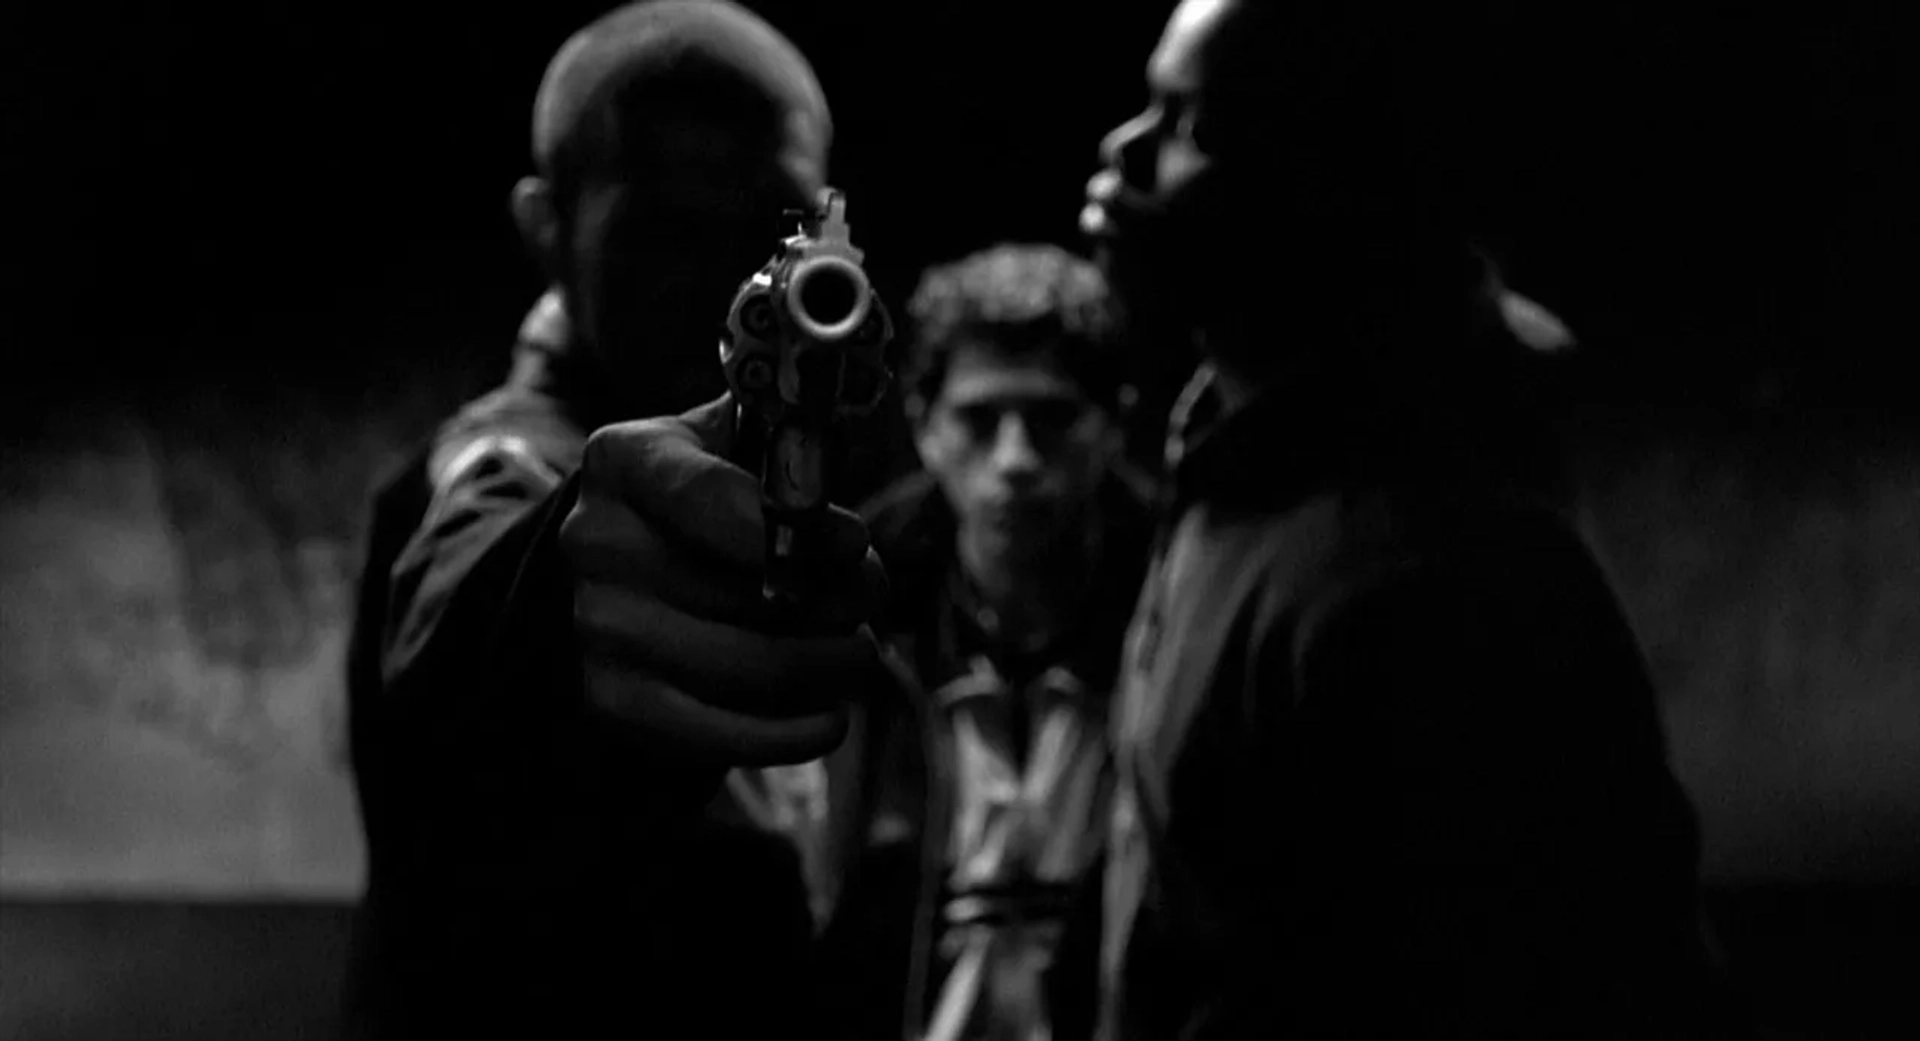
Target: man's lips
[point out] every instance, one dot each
(1017, 508)
(1096, 222)
(1112, 208)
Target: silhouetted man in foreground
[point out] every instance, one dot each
(560, 648)
(1390, 761)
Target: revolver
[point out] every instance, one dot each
(804, 353)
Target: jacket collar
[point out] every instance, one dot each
(1460, 430)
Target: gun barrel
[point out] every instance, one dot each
(803, 351)
(828, 297)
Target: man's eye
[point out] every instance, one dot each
(1053, 419)
(1195, 128)
(981, 423)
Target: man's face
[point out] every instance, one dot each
(656, 254)
(1017, 447)
(1149, 209)
(1196, 197)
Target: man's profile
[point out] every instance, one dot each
(1390, 760)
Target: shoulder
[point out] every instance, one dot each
(512, 431)
(1398, 565)
(1500, 589)
(1495, 533)
(401, 482)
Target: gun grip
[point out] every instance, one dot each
(793, 505)
(791, 558)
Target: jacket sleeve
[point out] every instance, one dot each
(483, 522)
(482, 718)
(515, 837)
(1486, 839)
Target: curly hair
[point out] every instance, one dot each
(1016, 301)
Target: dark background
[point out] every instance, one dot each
(262, 249)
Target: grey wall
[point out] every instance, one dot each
(175, 574)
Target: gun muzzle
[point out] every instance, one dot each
(828, 297)
(804, 352)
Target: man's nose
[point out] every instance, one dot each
(1128, 150)
(1013, 451)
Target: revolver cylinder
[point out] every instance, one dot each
(804, 352)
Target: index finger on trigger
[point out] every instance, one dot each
(844, 537)
(662, 470)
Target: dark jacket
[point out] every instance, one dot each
(881, 941)
(533, 870)
(1391, 763)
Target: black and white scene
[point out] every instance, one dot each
(1086, 520)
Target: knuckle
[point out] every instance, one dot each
(600, 690)
(589, 607)
(588, 532)
(599, 448)
(576, 528)
(599, 532)
(617, 690)
(609, 449)
(604, 612)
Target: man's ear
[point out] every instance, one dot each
(539, 222)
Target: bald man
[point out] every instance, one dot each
(559, 651)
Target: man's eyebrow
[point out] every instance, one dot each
(995, 399)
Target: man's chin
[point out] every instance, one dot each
(1125, 270)
(1149, 295)
(1030, 527)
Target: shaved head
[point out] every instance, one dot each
(669, 137)
(664, 59)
